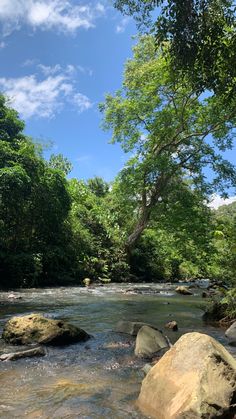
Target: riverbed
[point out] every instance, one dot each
(100, 378)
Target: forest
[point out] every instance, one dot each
(153, 222)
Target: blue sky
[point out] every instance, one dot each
(58, 59)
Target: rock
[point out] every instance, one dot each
(87, 282)
(146, 368)
(183, 290)
(131, 328)
(205, 294)
(34, 328)
(196, 378)
(149, 341)
(14, 297)
(215, 312)
(23, 354)
(172, 325)
(231, 334)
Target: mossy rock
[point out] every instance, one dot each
(35, 328)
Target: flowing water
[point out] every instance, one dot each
(100, 378)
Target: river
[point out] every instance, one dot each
(100, 378)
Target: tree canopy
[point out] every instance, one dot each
(173, 133)
(201, 36)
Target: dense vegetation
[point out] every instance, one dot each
(56, 230)
(175, 117)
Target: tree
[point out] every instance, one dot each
(34, 204)
(224, 260)
(61, 163)
(166, 125)
(98, 186)
(201, 36)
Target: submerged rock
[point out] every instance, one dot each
(196, 378)
(35, 328)
(231, 334)
(131, 328)
(183, 290)
(149, 341)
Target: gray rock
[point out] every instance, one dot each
(149, 342)
(130, 328)
(231, 334)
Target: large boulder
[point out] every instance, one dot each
(196, 378)
(35, 328)
(183, 290)
(231, 334)
(149, 341)
(130, 328)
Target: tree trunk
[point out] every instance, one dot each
(140, 226)
(39, 351)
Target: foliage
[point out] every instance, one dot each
(201, 37)
(61, 163)
(166, 126)
(34, 203)
(98, 186)
(222, 306)
(223, 261)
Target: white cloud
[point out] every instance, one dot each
(217, 201)
(62, 15)
(2, 44)
(85, 70)
(49, 70)
(43, 98)
(120, 28)
(29, 62)
(82, 102)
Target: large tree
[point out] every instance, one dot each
(201, 36)
(173, 133)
